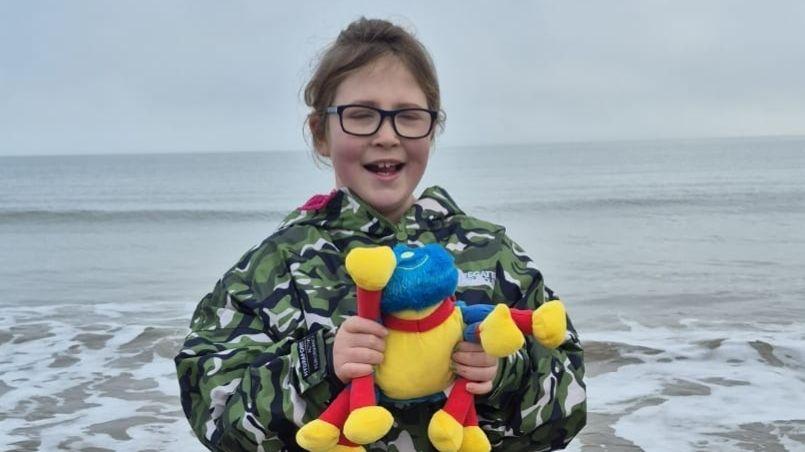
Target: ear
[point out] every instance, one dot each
(318, 132)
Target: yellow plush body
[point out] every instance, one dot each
(417, 364)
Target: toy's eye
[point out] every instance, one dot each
(407, 255)
(410, 260)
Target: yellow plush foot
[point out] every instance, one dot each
(368, 424)
(343, 448)
(475, 440)
(371, 268)
(318, 436)
(445, 432)
(549, 324)
(499, 334)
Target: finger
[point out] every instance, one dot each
(479, 359)
(364, 356)
(350, 371)
(476, 374)
(479, 388)
(465, 346)
(366, 341)
(360, 325)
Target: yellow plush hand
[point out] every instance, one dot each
(499, 334)
(549, 324)
(371, 268)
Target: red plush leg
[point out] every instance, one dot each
(363, 392)
(336, 414)
(522, 317)
(472, 417)
(459, 401)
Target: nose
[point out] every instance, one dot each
(385, 135)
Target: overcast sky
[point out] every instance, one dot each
(191, 76)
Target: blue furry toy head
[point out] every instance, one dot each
(423, 277)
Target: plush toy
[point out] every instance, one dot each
(411, 290)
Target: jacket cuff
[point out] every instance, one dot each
(336, 385)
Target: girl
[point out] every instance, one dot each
(277, 338)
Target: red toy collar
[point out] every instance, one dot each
(430, 322)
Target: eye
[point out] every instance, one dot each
(359, 113)
(411, 116)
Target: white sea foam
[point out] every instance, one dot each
(82, 376)
(703, 385)
(696, 384)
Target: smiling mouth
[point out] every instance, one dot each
(384, 168)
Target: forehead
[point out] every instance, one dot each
(386, 82)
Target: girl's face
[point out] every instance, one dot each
(389, 85)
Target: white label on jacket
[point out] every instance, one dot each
(476, 278)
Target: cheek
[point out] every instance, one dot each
(343, 147)
(346, 151)
(345, 156)
(345, 169)
(420, 152)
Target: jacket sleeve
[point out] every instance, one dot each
(538, 400)
(250, 369)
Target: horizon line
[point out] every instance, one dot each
(448, 147)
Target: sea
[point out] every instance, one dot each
(681, 263)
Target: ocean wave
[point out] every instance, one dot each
(736, 202)
(135, 215)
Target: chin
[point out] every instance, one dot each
(385, 202)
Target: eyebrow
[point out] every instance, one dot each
(372, 103)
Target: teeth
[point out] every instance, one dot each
(385, 165)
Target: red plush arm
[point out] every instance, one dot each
(363, 388)
(522, 318)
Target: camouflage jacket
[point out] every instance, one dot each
(257, 363)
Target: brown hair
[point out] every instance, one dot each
(363, 42)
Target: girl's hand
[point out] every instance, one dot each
(471, 362)
(359, 345)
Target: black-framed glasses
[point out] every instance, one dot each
(363, 120)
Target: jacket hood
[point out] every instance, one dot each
(344, 210)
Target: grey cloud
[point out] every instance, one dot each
(151, 76)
